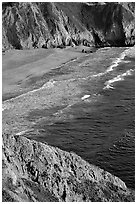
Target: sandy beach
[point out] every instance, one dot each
(21, 65)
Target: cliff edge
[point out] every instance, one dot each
(33, 25)
(33, 171)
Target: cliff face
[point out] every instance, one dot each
(33, 171)
(32, 25)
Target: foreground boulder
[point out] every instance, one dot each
(33, 171)
(33, 25)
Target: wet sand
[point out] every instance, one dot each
(19, 66)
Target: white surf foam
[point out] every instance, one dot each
(49, 84)
(128, 72)
(21, 133)
(85, 97)
(108, 86)
(24, 131)
(117, 78)
(116, 62)
(7, 104)
(126, 61)
(99, 74)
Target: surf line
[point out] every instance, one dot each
(48, 84)
(85, 97)
(116, 62)
(117, 78)
(6, 105)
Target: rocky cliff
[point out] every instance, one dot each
(33, 171)
(33, 25)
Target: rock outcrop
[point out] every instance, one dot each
(46, 24)
(33, 171)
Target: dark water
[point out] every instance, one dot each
(102, 129)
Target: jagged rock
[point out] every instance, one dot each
(33, 171)
(32, 25)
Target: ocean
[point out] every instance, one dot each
(102, 129)
(96, 119)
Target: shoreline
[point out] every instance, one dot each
(33, 63)
(26, 113)
(63, 91)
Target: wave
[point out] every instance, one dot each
(49, 84)
(126, 61)
(85, 97)
(59, 112)
(62, 111)
(99, 74)
(116, 62)
(8, 103)
(117, 78)
(29, 131)
(21, 133)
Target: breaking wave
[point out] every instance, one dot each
(49, 84)
(85, 97)
(117, 78)
(116, 62)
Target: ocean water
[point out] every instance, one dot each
(101, 126)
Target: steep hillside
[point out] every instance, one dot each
(33, 171)
(32, 25)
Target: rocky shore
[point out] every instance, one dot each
(36, 172)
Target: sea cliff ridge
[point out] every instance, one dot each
(33, 171)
